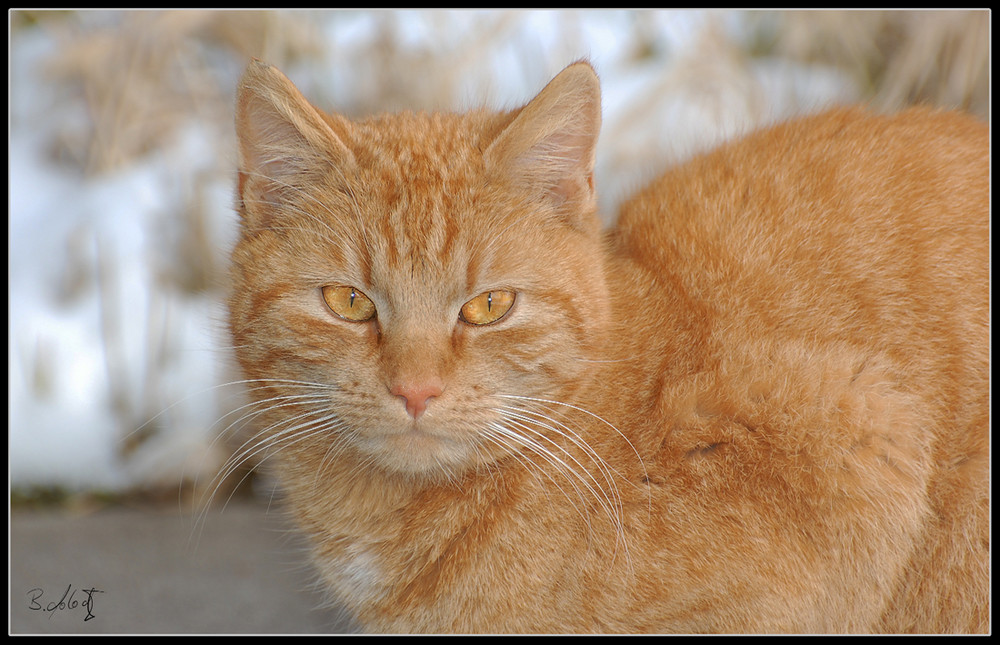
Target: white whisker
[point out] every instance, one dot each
(312, 419)
(570, 406)
(530, 425)
(514, 442)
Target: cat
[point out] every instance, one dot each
(757, 404)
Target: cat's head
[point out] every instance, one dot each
(405, 284)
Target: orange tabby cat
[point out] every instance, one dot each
(759, 404)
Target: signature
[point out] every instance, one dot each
(68, 601)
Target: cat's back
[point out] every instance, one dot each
(846, 225)
(821, 289)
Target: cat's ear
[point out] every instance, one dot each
(550, 143)
(284, 142)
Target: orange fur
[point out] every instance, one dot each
(759, 404)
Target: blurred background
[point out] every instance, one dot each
(122, 166)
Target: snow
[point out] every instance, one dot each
(116, 381)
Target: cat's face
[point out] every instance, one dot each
(419, 289)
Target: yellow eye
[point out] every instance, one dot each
(349, 303)
(487, 307)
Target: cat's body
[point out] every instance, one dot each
(759, 404)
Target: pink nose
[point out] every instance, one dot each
(416, 395)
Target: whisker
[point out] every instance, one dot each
(272, 443)
(610, 502)
(267, 403)
(564, 430)
(315, 397)
(528, 418)
(513, 441)
(523, 422)
(550, 402)
(335, 449)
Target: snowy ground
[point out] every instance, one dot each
(101, 338)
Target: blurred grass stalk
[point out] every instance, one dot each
(936, 57)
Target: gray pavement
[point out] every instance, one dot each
(157, 571)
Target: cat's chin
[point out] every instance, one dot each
(421, 452)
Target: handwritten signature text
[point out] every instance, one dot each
(71, 599)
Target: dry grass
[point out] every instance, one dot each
(141, 74)
(900, 57)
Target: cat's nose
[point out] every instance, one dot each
(416, 395)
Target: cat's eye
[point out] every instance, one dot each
(349, 303)
(487, 307)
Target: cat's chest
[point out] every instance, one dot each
(356, 573)
(367, 552)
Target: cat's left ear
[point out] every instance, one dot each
(550, 144)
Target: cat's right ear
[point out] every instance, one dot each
(284, 142)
